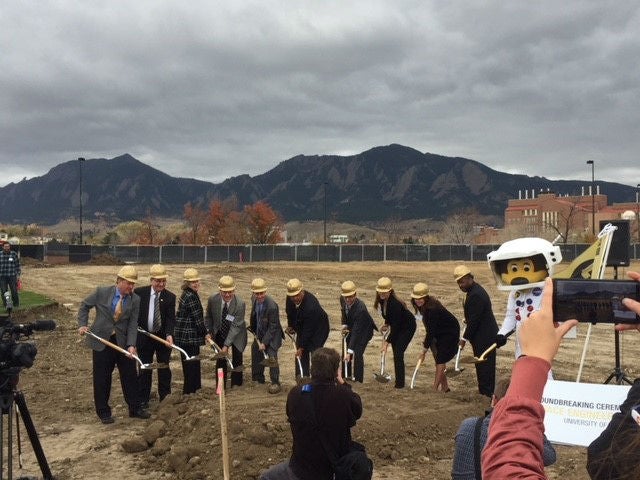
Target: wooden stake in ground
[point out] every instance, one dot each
(223, 425)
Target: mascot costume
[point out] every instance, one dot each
(520, 266)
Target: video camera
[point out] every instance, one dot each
(15, 355)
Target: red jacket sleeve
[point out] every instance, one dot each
(514, 446)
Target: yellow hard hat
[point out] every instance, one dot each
(420, 290)
(190, 275)
(348, 288)
(258, 285)
(158, 271)
(294, 287)
(226, 284)
(460, 271)
(129, 273)
(384, 285)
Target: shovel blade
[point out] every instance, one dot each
(303, 380)
(154, 365)
(382, 378)
(269, 362)
(454, 373)
(191, 359)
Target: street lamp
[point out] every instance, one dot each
(638, 210)
(325, 213)
(593, 202)
(80, 163)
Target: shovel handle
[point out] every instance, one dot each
(155, 337)
(116, 347)
(415, 372)
(457, 359)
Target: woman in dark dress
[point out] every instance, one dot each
(443, 331)
(398, 321)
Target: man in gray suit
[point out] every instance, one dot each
(116, 320)
(226, 325)
(264, 322)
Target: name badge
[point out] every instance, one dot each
(230, 318)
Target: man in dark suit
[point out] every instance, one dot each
(116, 320)
(308, 320)
(357, 326)
(264, 322)
(157, 316)
(481, 329)
(226, 325)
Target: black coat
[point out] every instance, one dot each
(310, 322)
(482, 327)
(359, 323)
(400, 320)
(167, 310)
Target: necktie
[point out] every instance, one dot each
(225, 311)
(156, 313)
(118, 310)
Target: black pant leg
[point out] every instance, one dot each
(128, 380)
(163, 355)
(191, 371)
(257, 370)
(103, 364)
(145, 353)
(236, 359)
(399, 347)
(274, 372)
(486, 375)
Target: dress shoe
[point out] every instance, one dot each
(139, 413)
(107, 420)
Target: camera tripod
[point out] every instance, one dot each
(617, 373)
(10, 396)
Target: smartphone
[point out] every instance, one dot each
(594, 301)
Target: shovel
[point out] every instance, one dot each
(487, 352)
(382, 377)
(268, 361)
(187, 358)
(302, 379)
(457, 370)
(415, 372)
(143, 366)
(345, 372)
(219, 355)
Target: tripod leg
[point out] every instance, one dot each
(18, 397)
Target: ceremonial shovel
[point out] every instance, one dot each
(415, 372)
(187, 358)
(457, 370)
(268, 361)
(491, 348)
(302, 379)
(382, 377)
(220, 355)
(144, 366)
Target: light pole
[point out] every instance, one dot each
(325, 212)
(638, 210)
(81, 163)
(593, 202)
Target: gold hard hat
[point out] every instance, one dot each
(226, 284)
(158, 271)
(420, 290)
(348, 288)
(384, 285)
(191, 275)
(460, 271)
(129, 273)
(294, 287)
(258, 285)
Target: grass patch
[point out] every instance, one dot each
(30, 300)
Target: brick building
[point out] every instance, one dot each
(547, 214)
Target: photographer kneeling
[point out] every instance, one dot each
(321, 415)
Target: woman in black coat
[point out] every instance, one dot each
(400, 323)
(443, 331)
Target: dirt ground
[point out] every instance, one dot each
(408, 433)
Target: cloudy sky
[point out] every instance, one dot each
(212, 89)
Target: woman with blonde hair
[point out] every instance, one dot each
(399, 322)
(443, 331)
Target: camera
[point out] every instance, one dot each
(15, 355)
(594, 301)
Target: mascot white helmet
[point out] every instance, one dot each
(523, 263)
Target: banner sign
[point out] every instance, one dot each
(576, 413)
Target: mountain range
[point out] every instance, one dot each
(384, 182)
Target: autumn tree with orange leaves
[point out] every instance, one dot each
(263, 224)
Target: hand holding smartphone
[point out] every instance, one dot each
(594, 301)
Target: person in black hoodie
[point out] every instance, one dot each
(308, 320)
(357, 326)
(400, 323)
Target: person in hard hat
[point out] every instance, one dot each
(357, 326)
(190, 330)
(9, 276)
(442, 331)
(398, 321)
(158, 317)
(307, 320)
(481, 327)
(116, 320)
(226, 325)
(264, 322)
